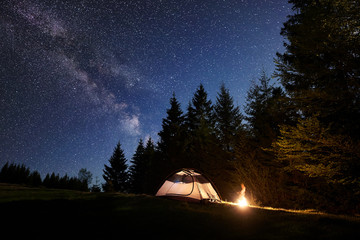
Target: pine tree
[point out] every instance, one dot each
(267, 107)
(138, 169)
(35, 179)
(202, 149)
(155, 172)
(54, 180)
(64, 182)
(4, 173)
(115, 175)
(256, 109)
(171, 142)
(320, 68)
(46, 181)
(227, 119)
(200, 112)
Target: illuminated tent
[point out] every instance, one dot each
(188, 185)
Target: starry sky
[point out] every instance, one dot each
(78, 76)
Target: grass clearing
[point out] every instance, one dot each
(65, 213)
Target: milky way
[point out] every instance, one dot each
(78, 76)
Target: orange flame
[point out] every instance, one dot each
(242, 202)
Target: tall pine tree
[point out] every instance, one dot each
(138, 170)
(202, 147)
(200, 112)
(320, 68)
(266, 108)
(228, 119)
(116, 175)
(228, 129)
(171, 142)
(155, 172)
(320, 71)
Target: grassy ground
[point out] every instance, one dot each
(52, 213)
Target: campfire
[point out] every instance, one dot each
(242, 202)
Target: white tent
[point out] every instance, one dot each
(188, 185)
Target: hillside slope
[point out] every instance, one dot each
(63, 213)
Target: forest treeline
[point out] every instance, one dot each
(295, 144)
(20, 174)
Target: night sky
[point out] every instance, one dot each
(78, 76)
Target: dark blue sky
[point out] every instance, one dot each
(78, 76)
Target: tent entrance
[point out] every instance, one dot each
(182, 184)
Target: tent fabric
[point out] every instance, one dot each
(188, 185)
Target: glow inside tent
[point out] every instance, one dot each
(188, 185)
